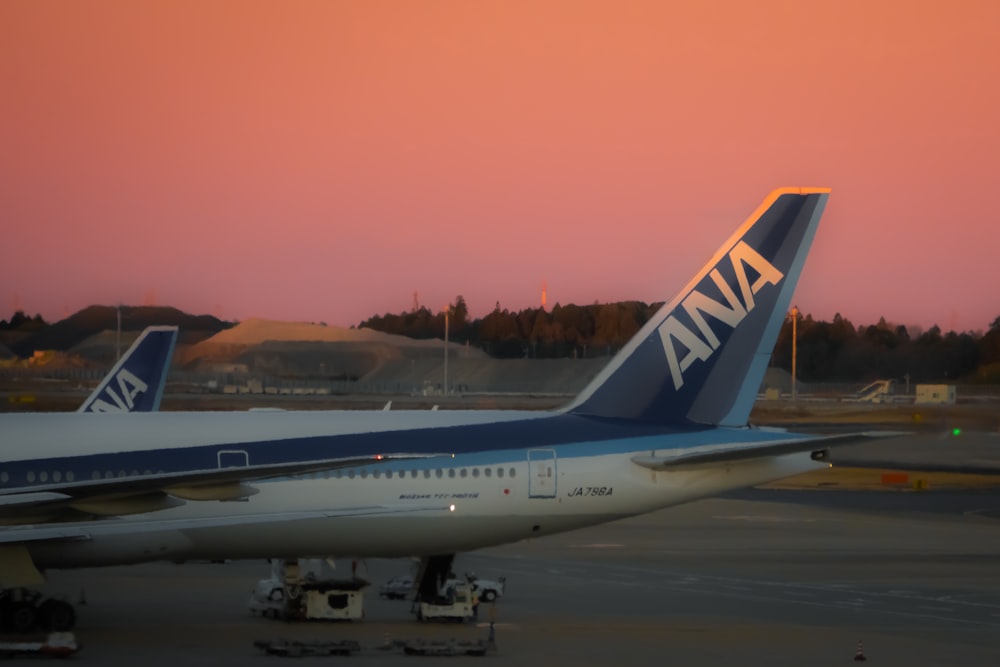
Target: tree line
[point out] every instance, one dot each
(827, 351)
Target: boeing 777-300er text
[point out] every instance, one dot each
(665, 422)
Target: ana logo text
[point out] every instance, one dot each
(129, 386)
(731, 313)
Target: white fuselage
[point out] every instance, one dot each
(413, 508)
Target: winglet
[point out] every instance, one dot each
(136, 382)
(701, 358)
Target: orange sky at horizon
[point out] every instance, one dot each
(321, 161)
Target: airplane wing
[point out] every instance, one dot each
(140, 493)
(818, 445)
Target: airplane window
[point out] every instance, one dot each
(43, 476)
(144, 472)
(338, 472)
(437, 473)
(4, 477)
(427, 474)
(95, 475)
(499, 472)
(135, 473)
(513, 472)
(350, 474)
(462, 472)
(56, 476)
(413, 473)
(31, 476)
(108, 474)
(548, 471)
(475, 472)
(364, 474)
(451, 472)
(487, 471)
(376, 475)
(121, 473)
(70, 476)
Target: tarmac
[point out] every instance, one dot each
(798, 572)
(774, 576)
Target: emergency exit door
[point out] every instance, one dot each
(541, 473)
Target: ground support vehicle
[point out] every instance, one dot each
(297, 648)
(56, 644)
(488, 590)
(24, 610)
(398, 588)
(446, 647)
(457, 602)
(331, 599)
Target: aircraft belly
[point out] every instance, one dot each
(484, 515)
(118, 549)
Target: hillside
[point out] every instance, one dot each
(65, 334)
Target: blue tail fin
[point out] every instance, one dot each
(136, 382)
(701, 358)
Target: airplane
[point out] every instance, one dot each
(126, 388)
(664, 423)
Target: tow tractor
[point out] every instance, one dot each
(457, 602)
(487, 590)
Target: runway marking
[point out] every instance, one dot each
(763, 518)
(798, 594)
(608, 545)
(850, 603)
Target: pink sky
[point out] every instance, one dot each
(322, 161)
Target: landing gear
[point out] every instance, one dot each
(23, 610)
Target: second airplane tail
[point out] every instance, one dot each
(702, 357)
(136, 382)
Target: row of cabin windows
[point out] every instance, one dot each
(70, 476)
(438, 473)
(57, 476)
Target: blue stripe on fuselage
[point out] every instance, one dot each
(572, 435)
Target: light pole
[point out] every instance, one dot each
(446, 351)
(795, 319)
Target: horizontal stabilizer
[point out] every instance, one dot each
(716, 455)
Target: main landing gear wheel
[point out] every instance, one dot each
(21, 617)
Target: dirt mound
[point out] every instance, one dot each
(305, 349)
(257, 331)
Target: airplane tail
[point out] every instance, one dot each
(702, 357)
(136, 382)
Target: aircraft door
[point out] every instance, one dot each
(541, 473)
(233, 458)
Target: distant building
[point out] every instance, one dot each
(930, 394)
